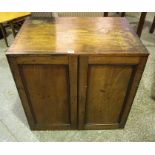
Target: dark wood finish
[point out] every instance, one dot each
(83, 63)
(105, 87)
(48, 90)
(123, 14)
(133, 88)
(72, 74)
(105, 14)
(1, 35)
(4, 34)
(152, 26)
(141, 23)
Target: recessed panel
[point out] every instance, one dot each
(47, 88)
(107, 88)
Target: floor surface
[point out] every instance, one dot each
(140, 125)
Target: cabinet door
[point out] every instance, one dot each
(107, 86)
(48, 90)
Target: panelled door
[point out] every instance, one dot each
(107, 86)
(48, 89)
(53, 98)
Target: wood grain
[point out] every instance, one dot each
(107, 86)
(105, 91)
(50, 102)
(81, 35)
(48, 91)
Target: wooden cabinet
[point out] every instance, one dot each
(71, 74)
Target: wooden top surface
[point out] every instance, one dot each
(8, 16)
(75, 35)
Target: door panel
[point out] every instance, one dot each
(106, 87)
(48, 90)
(47, 87)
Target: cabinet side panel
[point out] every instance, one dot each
(47, 88)
(107, 88)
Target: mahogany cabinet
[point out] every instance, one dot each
(77, 73)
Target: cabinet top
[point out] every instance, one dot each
(75, 35)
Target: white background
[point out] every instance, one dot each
(78, 5)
